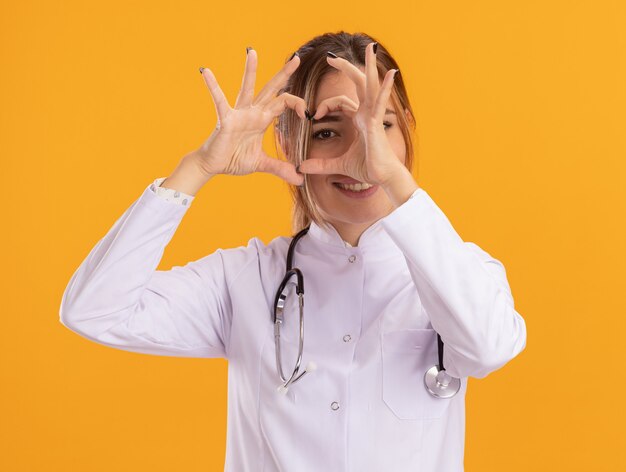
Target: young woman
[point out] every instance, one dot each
(399, 310)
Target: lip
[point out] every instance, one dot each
(347, 180)
(363, 194)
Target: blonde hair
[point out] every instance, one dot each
(294, 133)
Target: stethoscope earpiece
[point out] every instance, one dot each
(283, 388)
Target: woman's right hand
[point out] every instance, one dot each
(236, 145)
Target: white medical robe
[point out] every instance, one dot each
(372, 314)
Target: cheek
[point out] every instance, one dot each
(320, 193)
(318, 186)
(327, 150)
(398, 145)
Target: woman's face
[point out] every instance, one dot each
(331, 139)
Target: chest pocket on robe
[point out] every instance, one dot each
(406, 356)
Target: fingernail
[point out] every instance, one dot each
(201, 69)
(248, 49)
(294, 54)
(331, 54)
(375, 47)
(397, 72)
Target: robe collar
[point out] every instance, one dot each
(373, 238)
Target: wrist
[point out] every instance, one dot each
(195, 159)
(400, 186)
(188, 177)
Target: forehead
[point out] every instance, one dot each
(336, 83)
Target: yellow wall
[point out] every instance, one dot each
(520, 107)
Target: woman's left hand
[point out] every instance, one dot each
(370, 158)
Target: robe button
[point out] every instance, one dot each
(352, 258)
(347, 338)
(334, 405)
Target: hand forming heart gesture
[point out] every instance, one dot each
(236, 145)
(370, 158)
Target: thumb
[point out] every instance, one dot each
(284, 170)
(322, 166)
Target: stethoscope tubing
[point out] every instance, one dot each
(436, 380)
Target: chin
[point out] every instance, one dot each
(361, 212)
(355, 219)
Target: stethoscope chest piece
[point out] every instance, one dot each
(440, 384)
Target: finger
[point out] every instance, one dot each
(383, 97)
(284, 170)
(277, 82)
(334, 165)
(246, 94)
(287, 100)
(221, 104)
(353, 73)
(339, 103)
(372, 84)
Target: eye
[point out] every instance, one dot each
(317, 134)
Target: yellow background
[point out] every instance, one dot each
(520, 108)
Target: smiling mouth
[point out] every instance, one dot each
(356, 187)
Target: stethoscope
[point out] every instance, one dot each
(437, 381)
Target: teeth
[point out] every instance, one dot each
(355, 187)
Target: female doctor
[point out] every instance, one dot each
(399, 310)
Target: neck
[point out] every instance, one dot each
(351, 232)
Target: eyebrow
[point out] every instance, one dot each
(335, 118)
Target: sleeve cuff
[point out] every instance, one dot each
(157, 202)
(170, 195)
